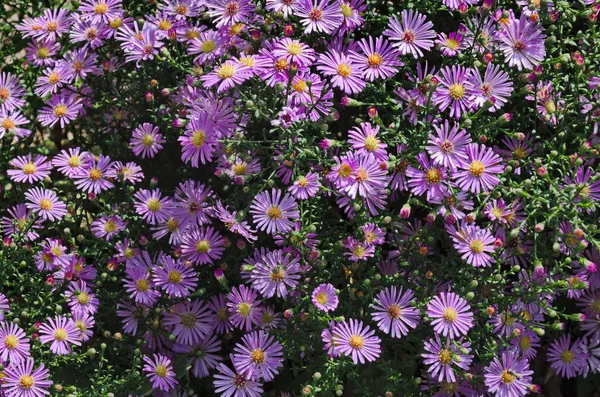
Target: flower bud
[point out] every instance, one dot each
(405, 211)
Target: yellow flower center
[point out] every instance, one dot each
(236, 29)
(60, 110)
(29, 168)
(147, 140)
(101, 8)
(345, 170)
(567, 356)
(450, 314)
(172, 225)
(346, 10)
(524, 342)
(359, 251)
(344, 70)
(7, 123)
(80, 326)
(192, 34)
(110, 226)
(174, 277)
(321, 298)
(371, 143)
(54, 78)
(452, 44)
(476, 246)
(60, 334)
(274, 213)
(240, 169)
(198, 138)
(450, 388)
(374, 60)
(116, 23)
(161, 370)
(356, 341)
(52, 26)
(208, 46)
(202, 246)
(476, 168)
(188, 320)
(154, 205)
(277, 274)
(142, 285)
(248, 61)
(302, 182)
(507, 377)
(42, 52)
(281, 65)
(226, 71)
(164, 25)
(95, 174)
(294, 48)
(457, 91)
(181, 9)
(300, 86)
(550, 106)
(595, 306)
(445, 356)
(26, 381)
(258, 356)
(83, 298)
(11, 341)
(222, 314)
(394, 311)
(244, 309)
(433, 176)
(46, 204)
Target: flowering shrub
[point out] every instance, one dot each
(299, 197)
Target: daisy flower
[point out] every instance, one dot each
(275, 273)
(159, 370)
(199, 141)
(190, 322)
(220, 311)
(412, 34)
(85, 324)
(258, 354)
(209, 46)
(81, 299)
(29, 170)
(448, 147)
(46, 204)
(393, 311)
(56, 22)
(273, 213)
(285, 7)
(478, 172)
(143, 48)
(202, 355)
(227, 75)
(107, 226)
(192, 204)
(352, 12)
(4, 306)
(343, 71)
(41, 52)
(450, 45)
(305, 187)
(61, 108)
(319, 15)
(230, 12)
(377, 58)
(229, 383)
(175, 278)
(152, 207)
(52, 79)
(508, 376)
(20, 379)
(476, 246)
(567, 359)
(71, 161)
(100, 10)
(61, 332)
(454, 4)
(14, 344)
(526, 344)
(203, 245)
(139, 285)
(93, 179)
(430, 179)
(442, 358)
(20, 221)
(10, 122)
(324, 298)
(146, 141)
(364, 139)
(494, 87)
(522, 42)
(11, 93)
(294, 51)
(244, 308)
(357, 341)
(369, 178)
(454, 90)
(451, 315)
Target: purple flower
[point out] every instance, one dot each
(10, 122)
(62, 108)
(139, 285)
(495, 87)
(61, 332)
(4, 306)
(229, 383)
(368, 179)
(192, 204)
(475, 247)
(526, 343)
(14, 344)
(20, 379)
(244, 308)
(56, 22)
(274, 214)
(451, 315)
(358, 250)
(174, 277)
(28, 169)
(203, 245)
(21, 220)
(11, 93)
(199, 141)
(479, 170)
(230, 12)
(442, 358)
(431, 179)
(227, 75)
(218, 307)
(190, 322)
(45, 203)
(319, 15)
(568, 360)
(201, 355)
(509, 376)
(305, 187)
(452, 44)
(93, 179)
(258, 355)
(146, 140)
(143, 48)
(343, 71)
(364, 140)
(393, 312)
(85, 324)
(40, 52)
(412, 34)
(72, 161)
(447, 148)
(522, 42)
(294, 51)
(152, 207)
(454, 4)
(324, 298)
(356, 341)
(81, 299)
(454, 90)
(209, 46)
(275, 273)
(107, 226)
(100, 10)
(378, 59)
(160, 372)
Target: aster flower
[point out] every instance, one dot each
(454, 91)
(41, 52)
(275, 273)
(209, 46)
(244, 308)
(71, 161)
(159, 370)
(11, 93)
(218, 307)
(199, 141)
(229, 383)
(146, 140)
(20, 379)
(475, 247)
(377, 58)
(509, 376)
(202, 355)
(364, 140)
(21, 221)
(412, 34)
(233, 224)
(393, 311)
(190, 322)
(494, 87)
(100, 10)
(140, 286)
(81, 299)
(227, 75)
(45, 203)
(4, 306)
(107, 227)
(203, 245)
(152, 207)
(175, 278)
(342, 70)
(61, 332)
(56, 22)
(324, 297)
(522, 42)
(305, 187)
(230, 12)
(294, 51)
(93, 179)
(143, 48)
(369, 177)
(192, 204)
(357, 341)
(92, 34)
(448, 147)
(285, 7)
(451, 315)
(358, 250)
(479, 170)
(61, 108)
(352, 12)
(431, 179)
(319, 15)
(273, 213)
(10, 122)
(454, 4)
(85, 324)
(452, 44)
(14, 344)
(52, 79)
(526, 344)
(442, 358)
(566, 358)
(129, 172)
(28, 169)
(258, 355)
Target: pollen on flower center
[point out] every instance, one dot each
(172, 225)
(208, 46)
(142, 285)
(507, 377)
(281, 65)
(344, 70)
(244, 309)
(356, 341)
(567, 356)
(110, 226)
(188, 320)
(29, 168)
(303, 182)
(433, 176)
(4, 94)
(452, 44)
(524, 342)
(83, 298)
(198, 138)
(487, 89)
(408, 37)
(518, 45)
(346, 10)
(54, 78)
(258, 356)
(153, 205)
(161, 370)
(277, 274)
(240, 381)
(371, 143)
(174, 276)
(240, 169)
(116, 23)
(450, 388)
(147, 140)
(101, 8)
(476, 168)
(226, 71)
(457, 91)
(45, 204)
(274, 213)
(362, 175)
(294, 48)
(60, 110)
(394, 311)
(315, 14)
(202, 246)
(232, 8)
(95, 174)
(345, 170)
(445, 356)
(165, 25)
(447, 147)
(374, 60)
(476, 246)
(60, 334)
(26, 381)
(520, 153)
(7, 123)
(42, 52)
(52, 26)
(358, 251)
(11, 341)
(450, 314)
(321, 298)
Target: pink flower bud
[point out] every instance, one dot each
(372, 112)
(405, 211)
